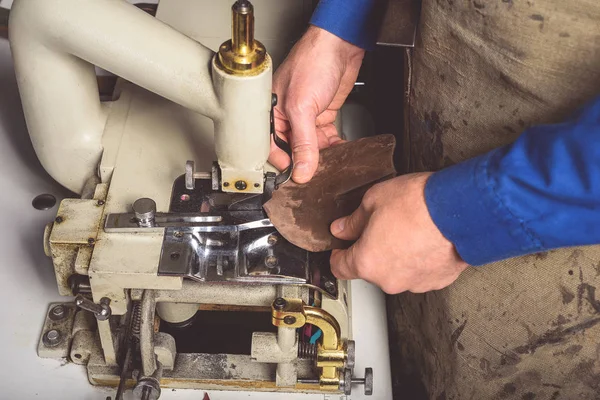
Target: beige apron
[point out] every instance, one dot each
(527, 328)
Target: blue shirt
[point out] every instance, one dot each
(542, 192)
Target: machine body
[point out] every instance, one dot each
(168, 239)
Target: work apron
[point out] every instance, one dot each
(526, 328)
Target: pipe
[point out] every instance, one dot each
(147, 333)
(55, 44)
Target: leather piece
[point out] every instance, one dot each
(302, 213)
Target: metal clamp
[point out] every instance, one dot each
(102, 311)
(333, 355)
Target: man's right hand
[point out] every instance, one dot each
(312, 84)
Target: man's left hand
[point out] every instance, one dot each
(398, 246)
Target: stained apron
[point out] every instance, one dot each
(526, 328)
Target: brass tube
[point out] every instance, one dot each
(242, 27)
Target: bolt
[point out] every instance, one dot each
(57, 312)
(289, 320)
(52, 338)
(225, 184)
(58, 220)
(256, 185)
(91, 241)
(100, 203)
(329, 286)
(241, 185)
(271, 261)
(178, 234)
(272, 239)
(175, 256)
(279, 303)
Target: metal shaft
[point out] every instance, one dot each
(242, 27)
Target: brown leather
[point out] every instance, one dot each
(303, 213)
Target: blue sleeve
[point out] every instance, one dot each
(355, 21)
(542, 192)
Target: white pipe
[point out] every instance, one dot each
(54, 44)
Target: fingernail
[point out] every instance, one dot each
(338, 226)
(300, 170)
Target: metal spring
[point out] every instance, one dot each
(307, 351)
(136, 318)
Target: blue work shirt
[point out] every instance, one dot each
(540, 193)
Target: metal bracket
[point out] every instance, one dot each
(334, 356)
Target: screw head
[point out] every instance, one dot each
(52, 338)
(272, 239)
(289, 320)
(329, 286)
(58, 220)
(279, 303)
(58, 312)
(226, 184)
(178, 234)
(271, 261)
(175, 256)
(241, 185)
(91, 241)
(257, 185)
(100, 203)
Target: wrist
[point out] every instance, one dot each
(319, 37)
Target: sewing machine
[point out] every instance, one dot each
(180, 280)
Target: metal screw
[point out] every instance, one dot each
(52, 338)
(329, 286)
(91, 241)
(271, 261)
(289, 320)
(175, 256)
(225, 184)
(273, 100)
(256, 185)
(58, 220)
(57, 312)
(178, 234)
(272, 239)
(100, 203)
(279, 303)
(241, 185)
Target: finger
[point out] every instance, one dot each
(305, 146)
(350, 227)
(342, 264)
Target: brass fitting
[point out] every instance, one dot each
(242, 55)
(332, 354)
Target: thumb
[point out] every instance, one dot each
(350, 227)
(305, 146)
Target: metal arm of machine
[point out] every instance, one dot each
(55, 45)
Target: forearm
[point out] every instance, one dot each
(355, 21)
(540, 193)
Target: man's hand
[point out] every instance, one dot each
(398, 247)
(312, 85)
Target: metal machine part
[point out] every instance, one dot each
(229, 240)
(333, 356)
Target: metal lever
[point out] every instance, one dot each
(347, 382)
(102, 311)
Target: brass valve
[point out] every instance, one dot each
(242, 55)
(333, 355)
